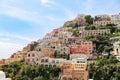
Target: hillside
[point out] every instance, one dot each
(76, 50)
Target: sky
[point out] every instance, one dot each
(23, 21)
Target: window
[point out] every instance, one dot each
(28, 60)
(28, 55)
(36, 59)
(53, 61)
(32, 59)
(39, 49)
(46, 60)
(42, 60)
(33, 55)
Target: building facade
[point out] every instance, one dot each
(82, 48)
(116, 19)
(94, 32)
(75, 69)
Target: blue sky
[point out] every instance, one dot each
(22, 21)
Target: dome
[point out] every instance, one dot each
(2, 75)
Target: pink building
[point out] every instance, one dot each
(82, 48)
(80, 21)
(55, 32)
(2, 61)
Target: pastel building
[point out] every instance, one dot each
(18, 56)
(116, 19)
(33, 57)
(94, 32)
(75, 69)
(102, 22)
(82, 48)
(116, 49)
(75, 56)
(67, 71)
(80, 69)
(51, 61)
(2, 61)
(80, 21)
(103, 17)
(80, 16)
(47, 51)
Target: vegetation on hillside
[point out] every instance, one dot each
(106, 68)
(21, 71)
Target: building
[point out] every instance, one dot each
(33, 57)
(2, 61)
(75, 69)
(18, 56)
(102, 17)
(3, 76)
(67, 71)
(82, 48)
(80, 21)
(47, 52)
(51, 61)
(116, 19)
(82, 16)
(94, 32)
(75, 56)
(116, 49)
(80, 69)
(102, 23)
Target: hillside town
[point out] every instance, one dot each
(73, 46)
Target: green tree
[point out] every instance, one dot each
(112, 27)
(76, 32)
(106, 68)
(90, 27)
(89, 19)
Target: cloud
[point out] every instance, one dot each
(18, 13)
(7, 48)
(11, 43)
(17, 37)
(47, 3)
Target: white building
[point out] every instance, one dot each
(52, 61)
(116, 19)
(103, 16)
(116, 50)
(80, 16)
(3, 77)
(75, 56)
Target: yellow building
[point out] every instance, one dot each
(74, 70)
(18, 56)
(47, 52)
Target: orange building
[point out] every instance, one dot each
(67, 71)
(47, 52)
(80, 69)
(75, 70)
(18, 56)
